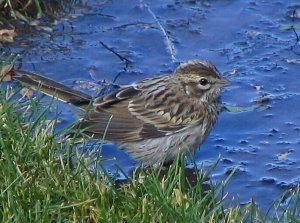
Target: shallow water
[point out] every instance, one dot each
(247, 40)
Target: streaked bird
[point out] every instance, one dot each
(153, 119)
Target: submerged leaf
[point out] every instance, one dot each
(289, 27)
(236, 109)
(262, 108)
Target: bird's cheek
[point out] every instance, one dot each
(193, 90)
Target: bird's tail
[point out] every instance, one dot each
(52, 88)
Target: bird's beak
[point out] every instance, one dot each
(223, 82)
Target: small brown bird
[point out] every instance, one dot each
(153, 119)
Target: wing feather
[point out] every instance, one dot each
(127, 115)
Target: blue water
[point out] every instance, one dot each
(247, 40)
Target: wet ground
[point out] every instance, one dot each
(252, 44)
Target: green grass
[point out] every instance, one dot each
(29, 10)
(40, 183)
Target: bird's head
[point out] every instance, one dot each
(201, 79)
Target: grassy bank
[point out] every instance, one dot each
(40, 183)
(28, 10)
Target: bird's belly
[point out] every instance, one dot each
(165, 149)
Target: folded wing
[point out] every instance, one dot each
(134, 113)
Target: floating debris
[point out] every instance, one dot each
(26, 92)
(262, 99)
(293, 61)
(5, 73)
(258, 87)
(7, 35)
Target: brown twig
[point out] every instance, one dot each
(297, 37)
(169, 42)
(127, 62)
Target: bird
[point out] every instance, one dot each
(154, 119)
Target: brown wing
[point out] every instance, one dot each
(136, 112)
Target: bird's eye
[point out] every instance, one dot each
(203, 84)
(203, 81)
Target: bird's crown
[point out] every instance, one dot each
(197, 68)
